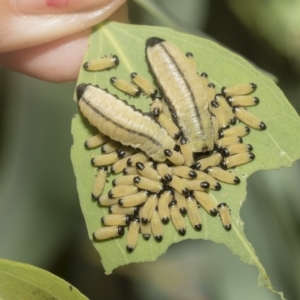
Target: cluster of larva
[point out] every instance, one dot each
(170, 158)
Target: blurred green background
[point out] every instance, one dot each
(40, 218)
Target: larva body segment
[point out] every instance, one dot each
(183, 93)
(121, 122)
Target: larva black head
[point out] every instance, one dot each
(256, 100)
(211, 85)
(218, 186)
(183, 211)
(110, 194)
(262, 126)
(165, 220)
(158, 238)
(136, 179)
(198, 227)
(196, 166)
(253, 86)
(225, 152)
(215, 104)
(251, 155)
(203, 74)
(182, 231)
(172, 203)
(80, 89)
(223, 165)
(192, 174)
(120, 230)
(213, 212)
(116, 60)
(144, 220)
(151, 42)
(129, 249)
(183, 141)
(121, 153)
(112, 80)
(127, 219)
(168, 177)
(227, 227)
(146, 236)
(140, 166)
(94, 197)
(189, 54)
(133, 74)
(232, 121)
(222, 205)
(236, 180)
(205, 185)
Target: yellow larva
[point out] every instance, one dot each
(184, 172)
(104, 200)
(210, 92)
(111, 146)
(147, 171)
(99, 182)
(134, 200)
(178, 82)
(113, 118)
(236, 149)
(121, 164)
(156, 107)
(193, 213)
(164, 171)
(239, 89)
(105, 159)
(243, 115)
(186, 151)
(130, 171)
(104, 63)
(148, 208)
(108, 232)
(137, 157)
(123, 180)
(116, 209)
(234, 131)
(174, 157)
(133, 234)
(156, 227)
(181, 202)
(237, 160)
(226, 108)
(96, 141)
(204, 79)
(225, 215)
(178, 185)
(213, 183)
(222, 175)
(144, 85)
(169, 125)
(122, 190)
(148, 184)
(230, 140)
(191, 60)
(115, 220)
(206, 202)
(211, 160)
(196, 184)
(145, 230)
(163, 205)
(177, 218)
(246, 100)
(218, 111)
(126, 87)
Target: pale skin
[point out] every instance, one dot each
(47, 39)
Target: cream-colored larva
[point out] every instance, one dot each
(196, 184)
(222, 175)
(164, 171)
(236, 149)
(125, 86)
(225, 215)
(239, 89)
(212, 160)
(230, 140)
(184, 172)
(178, 184)
(148, 172)
(105, 159)
(193, 213)
(99, 182)
(116, 209)
(104, 63)
(181, 202)
(234, 131)
(226, 108)
(137, 157)
(122, 190)
(177, 218)
(237, 160)
(108, 232)
(147, 210)
(169, 125)
(114, 118)
(133, 234)
(246, 100)
(146, 230)
(134, 200)
(186, 151)
(148, 88)
(163, 205)
(123, 180)
(96, 141)
(121, 164)
(249, 119)
(210, 92)
(206, 202)
(156, 107)
(213, 183)
(111, 146)
(156, 226)
(115, 220)
(130, 171)
(104, 200)
(148, 184)
(179, 81)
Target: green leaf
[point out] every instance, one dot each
(22, 281)
(274, 148)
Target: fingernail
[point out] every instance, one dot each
(58, 6)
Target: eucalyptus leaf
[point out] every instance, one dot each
(26, 282)
(274, 148)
